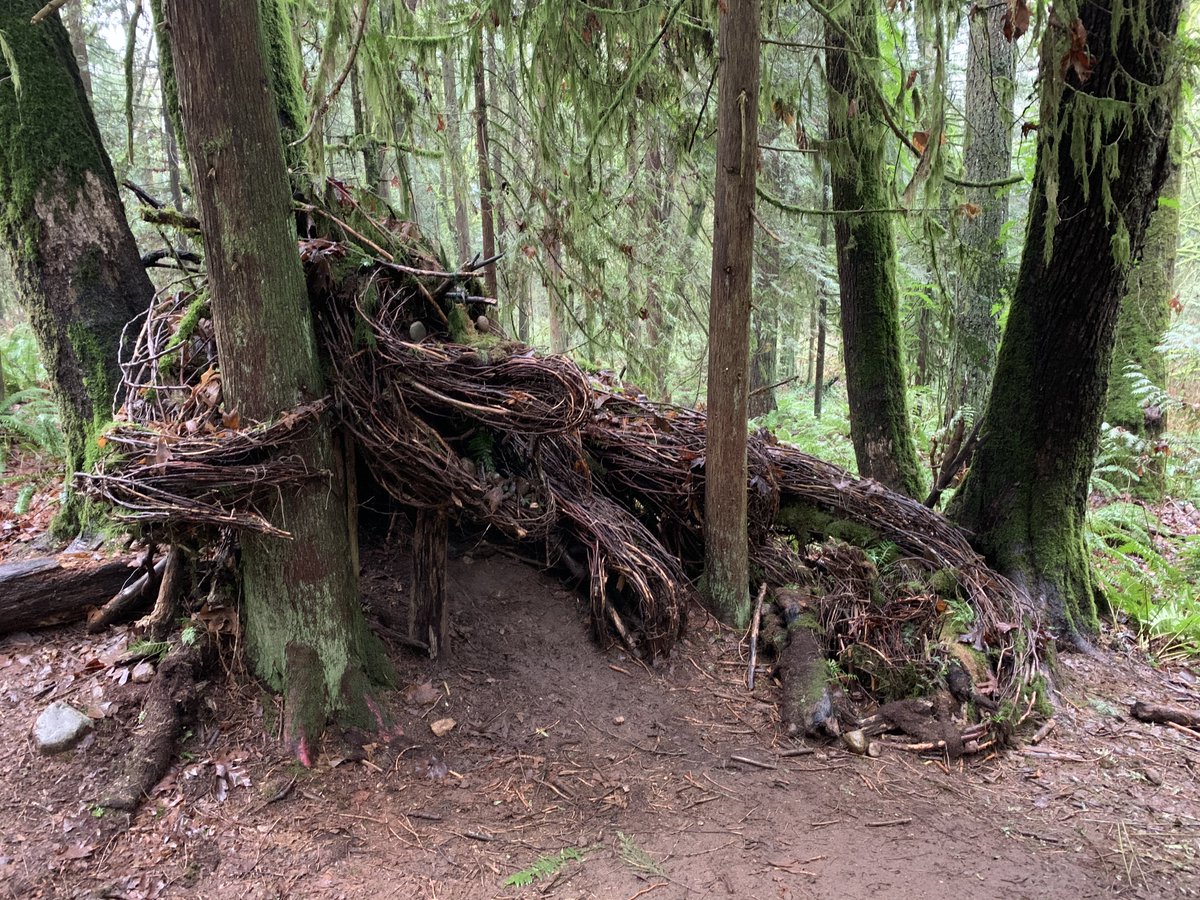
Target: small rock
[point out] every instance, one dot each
(855, 741)
(874, 749)
(1153, 776)
(417, 331)
(483, 325)
(60, 727)
(618, 720)
(442, 727)
(142, 673)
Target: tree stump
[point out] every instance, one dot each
(428, 622)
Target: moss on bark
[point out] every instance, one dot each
(75, 266)
(866, 254)
(1025, 497)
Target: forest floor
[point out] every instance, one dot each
(622, 780)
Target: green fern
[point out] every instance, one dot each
(29, 418)
(543, 867)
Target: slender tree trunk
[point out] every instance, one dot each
(822, 301)
(458, 180)
(983, 277)
(726, 571)
(1141, 326)
(866, 249)
(304, 627)
(370, 154)
(556, 296)
(499, 189)
(764, 317)
(1025, 497)
(485, 178)
(284, 68)
(75, 266)
(78, 32)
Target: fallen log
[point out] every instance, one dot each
(54, 590)
(1164, 714)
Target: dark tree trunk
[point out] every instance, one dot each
(305, 631)
(485, 178)
(458, 180)
(866, 251)
(37, 593)
(726, 569)
(767, 301)
(983, 277)
(1025, 497)
(428, 618)
(75, 266)
(822, 302)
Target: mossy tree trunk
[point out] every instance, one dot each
(305, 630)
(1141, 326)
(458, 178)
(866, 254)
(726, 567)
(75, 266)
(983, 277)
(1025, 497)
(767, 302)
(487, 215)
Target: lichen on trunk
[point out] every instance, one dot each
(74, 262)
(1025, 497)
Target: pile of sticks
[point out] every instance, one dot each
(450, 415)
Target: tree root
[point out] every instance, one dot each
(170, 705)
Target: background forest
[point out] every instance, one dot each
(579, 140)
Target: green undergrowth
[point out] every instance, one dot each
(828, 437)
(1148, 576)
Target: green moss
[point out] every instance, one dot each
(810, 524)
(48, 136)
(282, 57)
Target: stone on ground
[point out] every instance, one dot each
(60, 727)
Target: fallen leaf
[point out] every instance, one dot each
(442, 727)
(422, 694)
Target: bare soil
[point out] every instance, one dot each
(559, 745)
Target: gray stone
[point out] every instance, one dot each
(417, 331)
(60, 727)
(855, 741)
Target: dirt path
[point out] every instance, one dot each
(561, 750)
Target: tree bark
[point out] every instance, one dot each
(984, 278)
(78, 32)
(822, 303)
(764, 318)
(1025, 497)
(428, 618)
(38, 593)
(1141, 326)
(486, 214)
(866, 253)
(726, 569)
(305, 630)
(458, 179)
(75, 266)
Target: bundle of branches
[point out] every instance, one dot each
(490, 431)
(651, 457)
(221, 478)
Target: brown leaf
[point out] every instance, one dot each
(920, 140)
(442, 727)
(1078, 59)
(970, 210)
(1016, 19)
(232, 420)
(422, 694)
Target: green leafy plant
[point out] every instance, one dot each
(29, 418)
(543, 867)
(635, 857)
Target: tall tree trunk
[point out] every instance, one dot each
(78, 32)
(822, 301)
(284, 68)
(370, 153)
(485, 178)
(75, 266)
(866, 250)
(305, 630)
(556, 294)
(726, 570)
(1025, 497)
(983, 277)
(499, 185)
(458, 179)
(767, 301)
(1141, 326)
